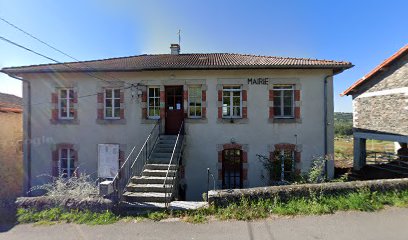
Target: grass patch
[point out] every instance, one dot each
(245, 210)
(58, 215)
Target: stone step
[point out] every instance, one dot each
(167, 141)
(157, 160)
(168, 137)
(161, 155)
(160, 149)
(148, 188)
(158, 173)
(149, 180)
(165, 145)
(160, 166)
(146, 197)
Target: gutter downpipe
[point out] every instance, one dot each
(27, 140)
(325, 124)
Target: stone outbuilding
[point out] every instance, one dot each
(380, 106)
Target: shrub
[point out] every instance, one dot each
(343, 129)
(317, 170)
(61, 188)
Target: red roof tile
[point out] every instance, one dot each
(183, 62)
(10, 103)
(367, 77)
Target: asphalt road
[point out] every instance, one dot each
(387, 224)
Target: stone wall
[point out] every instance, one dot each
(93, 204)
(381, 104)
(285, 193)
(387, 113)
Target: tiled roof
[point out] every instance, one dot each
(377, 69)
(10, 103)
(183, 62)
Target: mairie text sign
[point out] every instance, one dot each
(258, 81)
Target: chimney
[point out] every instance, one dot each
(175, 49)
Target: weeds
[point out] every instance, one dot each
(58, 215)
(246, 210)
(79, 187)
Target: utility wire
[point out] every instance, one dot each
(52, 47)
(49, 58)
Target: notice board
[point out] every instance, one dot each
(108, 160)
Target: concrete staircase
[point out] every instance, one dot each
(148, 189)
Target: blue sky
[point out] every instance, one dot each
(363, 32)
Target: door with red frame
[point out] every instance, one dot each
(174, 109)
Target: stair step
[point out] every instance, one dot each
(167, 141)
(141, 207)
(160, 166)
(148, 188)
(165, 145)
(158, 173)
(146, 196)
(160, 149)
(149, 180)
(160, 155)
(158, 160)
(168, 137)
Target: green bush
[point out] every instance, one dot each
(343, 129)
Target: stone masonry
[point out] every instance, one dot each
(387, 112)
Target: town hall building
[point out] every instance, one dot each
(154, 124)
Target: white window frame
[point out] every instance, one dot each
(154, 106)
(69, 116)
(113, 98)
(61, 169)
(195, 106)
(282, 104)
(231, 107)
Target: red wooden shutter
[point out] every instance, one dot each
(100, 97)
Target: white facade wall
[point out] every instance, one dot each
(202, 137)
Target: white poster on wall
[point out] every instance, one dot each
(108, 160)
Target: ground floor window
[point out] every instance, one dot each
(232, 169)
(283, 160)
(153, 102)
(66, 162)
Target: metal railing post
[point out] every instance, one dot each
(208, 182)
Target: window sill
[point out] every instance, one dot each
(285, 120)
(196, 120)
(65, 121)
(111, 121)
(232, 120)
(150, 120)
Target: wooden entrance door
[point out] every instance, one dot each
(174, 109)
(232, 169)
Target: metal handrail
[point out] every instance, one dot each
(134, 166)
(179, 140)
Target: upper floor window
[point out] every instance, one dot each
(66, 103)
(283, 101)
(232, 102)
(112, 104)
(66, 162)
(194, 102)
(153, 102)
